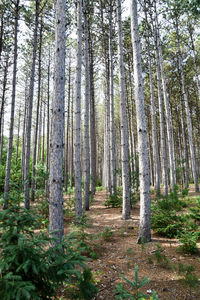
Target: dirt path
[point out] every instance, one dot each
(119, 255)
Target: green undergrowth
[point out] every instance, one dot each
(115, 200)
(134, 291)
(176, 217)
(31, 269)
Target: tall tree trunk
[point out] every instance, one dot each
(24, 134)
(77, 143)
(112, 129)
(166, 103)
(187, 109)
(156, 160)
(124, 127)
(43, 133)
(48, 112)
(67, 127)
(3, 100)
(161, 117)
(194, 59)
(18, 132)
(57, 143)
(37, 117)
(106, 165)
(2, 137)
(40, 129)
(93, 150)
(144, 172)
(10, 142)
(72, 142)
(30, 109)
(86, 116)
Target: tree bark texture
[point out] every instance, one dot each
(77, 142)
(57, 135)
(124, 127)
(144, 172)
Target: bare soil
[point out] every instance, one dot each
(120, 253)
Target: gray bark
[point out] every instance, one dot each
(57, 143)
(29, 112)
(144, 172)
(67, 127)
(37, 118)
(10, 142)
(167, 111)
(77, 143)
(112, 129)
(124, 127)
(106, 160)
(195, 60)
(86, 116)
(156, 160)
(93, 150)
(18, 133)
(187, 109)
(48, 112)
(3, 100)
(161, 117)
(43, 132)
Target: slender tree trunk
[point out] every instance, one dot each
(43, 133)
(161, 116)
(106, 165)
(195, 60)
(29, 112)
(124, 128)
(132, 137)
(86, 116)
(24, 135)
(72, 141)
(77, 143)
(67, 128)
(156, 160)
(112, 129)
(48, 112)
(144, 172)
(10, 142)
(40, 129)
(1, 137)
(166, 103)
(18, 132)
(57, 142)
(3, 99)
(1, 33)
(37, 117)
(93, 150)
(187, 109)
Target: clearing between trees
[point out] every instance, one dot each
(115, 251)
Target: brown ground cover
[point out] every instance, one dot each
(120, 253)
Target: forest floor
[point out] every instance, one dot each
(118, 254)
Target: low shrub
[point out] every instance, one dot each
(189, 279)
(166, 223)
(29, 268)
(114, 200)
(136, 294)
(107, 234)
(188, 242)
